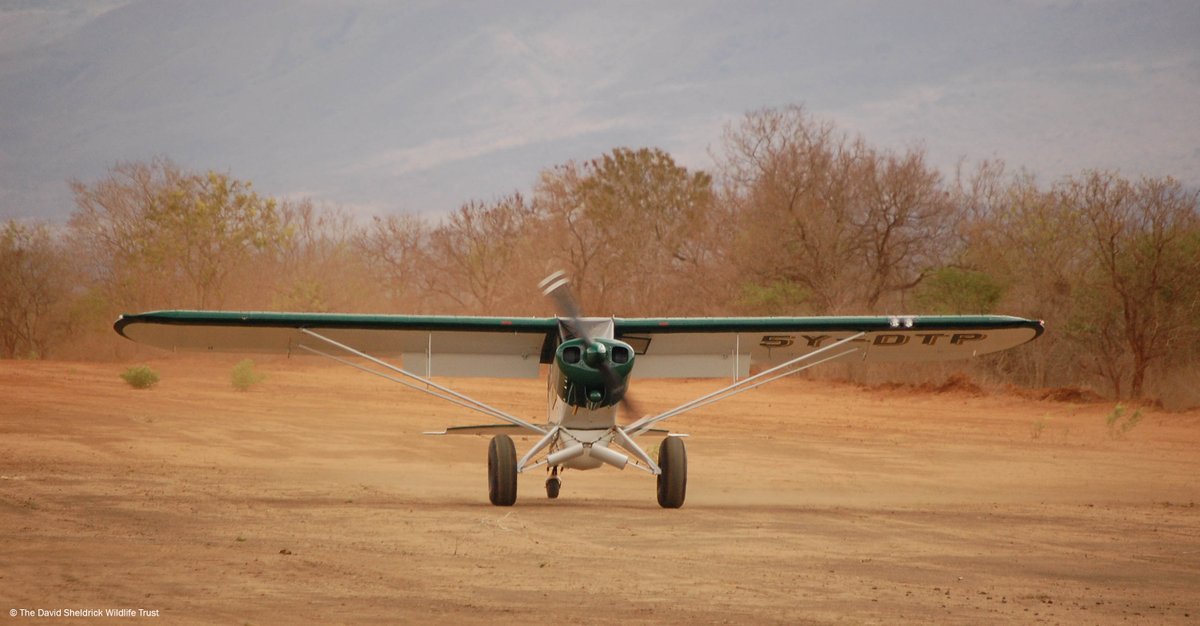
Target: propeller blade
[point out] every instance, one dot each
(557, 287)
(625, 399)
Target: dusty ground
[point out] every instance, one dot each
(314, 499)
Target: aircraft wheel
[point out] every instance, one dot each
(502, 471)
(672, 482)
(553, 485)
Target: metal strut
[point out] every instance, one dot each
(446, 393)
(537, 447)
(625, 441)
(745, 384)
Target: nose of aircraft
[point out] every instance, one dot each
(595, 354)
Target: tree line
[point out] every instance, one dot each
(796, 218)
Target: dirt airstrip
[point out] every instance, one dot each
(313, 498)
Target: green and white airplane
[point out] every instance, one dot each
(591, 363)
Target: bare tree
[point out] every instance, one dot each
(791, 182)
(479, 258)
(567, 235)
(320, 266)
(109, 232)
(905, 222)
(35, 290)
(395, 251)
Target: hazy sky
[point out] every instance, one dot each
(420, 106)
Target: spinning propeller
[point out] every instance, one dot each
(557, 287)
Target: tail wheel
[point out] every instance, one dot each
(672, 482)
(502, 471)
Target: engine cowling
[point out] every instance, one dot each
(581, 380)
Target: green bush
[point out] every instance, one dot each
(1117, 427)
(244, 376)
(952, 290)
(140, 377)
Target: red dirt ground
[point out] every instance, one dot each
(313, 498)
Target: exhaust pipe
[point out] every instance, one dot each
(566, 454)
(612, 457)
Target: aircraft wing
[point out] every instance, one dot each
(427, 345)
(722, 347)
(514, 347)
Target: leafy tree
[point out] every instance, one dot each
(1144, 292)
(1109, 263)
(954, 290)
(635, 229)
(1024, 238)
(205, 229)
(651, 214)
(157, 234)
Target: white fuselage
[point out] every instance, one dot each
(591, 427)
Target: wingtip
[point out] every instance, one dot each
(119, 325)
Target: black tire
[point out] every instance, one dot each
(502, 471)
(553, 486)
(672, 482)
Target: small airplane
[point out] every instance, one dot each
(591, 363)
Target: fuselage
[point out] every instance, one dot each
(581, 400)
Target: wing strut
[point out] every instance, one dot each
(446, 393)
(745, 384)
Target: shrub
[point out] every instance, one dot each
(140, 377)
(245, 377)
(1117, 428)
(952, 290)
(1039, 425)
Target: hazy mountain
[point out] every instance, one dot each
(419, 106)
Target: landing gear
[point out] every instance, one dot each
(502, 471)
(553, 484)
(672, 482)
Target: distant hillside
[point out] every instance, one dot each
(420, 106)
